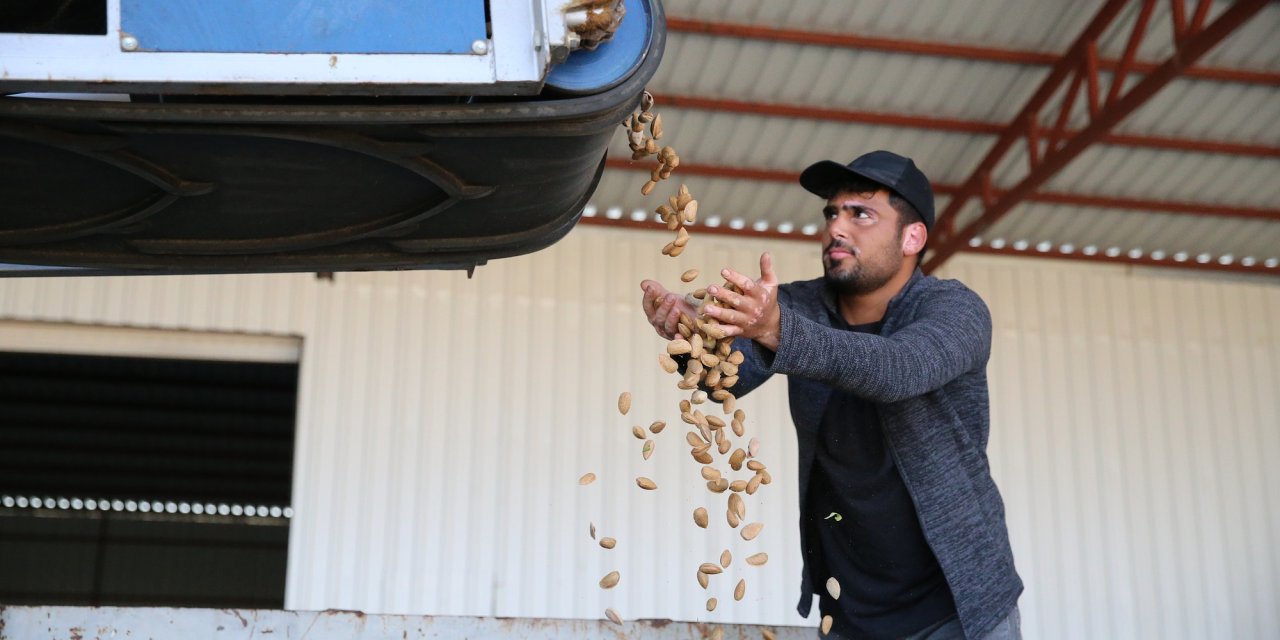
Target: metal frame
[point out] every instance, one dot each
(945, 50)
(953, 125)
(1049, 149)
(1122, 258)
(944, 189)
(98, 63)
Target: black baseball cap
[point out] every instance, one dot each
(888, 169)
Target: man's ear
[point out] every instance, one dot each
(914, 237)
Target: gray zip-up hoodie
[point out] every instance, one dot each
(926, 374)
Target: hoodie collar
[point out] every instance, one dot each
(831, 300)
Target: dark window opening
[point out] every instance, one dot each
(144, 481)
(58, 17)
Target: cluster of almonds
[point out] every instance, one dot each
(681, 209)
(711, 368)
(595, 21)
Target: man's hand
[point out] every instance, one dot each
(753, 313)
(663, 308)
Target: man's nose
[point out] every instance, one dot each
(839, 228)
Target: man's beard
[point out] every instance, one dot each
(862, 276)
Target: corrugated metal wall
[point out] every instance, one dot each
(443, 423)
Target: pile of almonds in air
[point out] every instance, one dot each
(711, 371)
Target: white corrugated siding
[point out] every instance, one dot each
(443, 423)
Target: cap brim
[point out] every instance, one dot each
(821, 177)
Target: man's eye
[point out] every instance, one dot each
(861, 214)
(828, 213)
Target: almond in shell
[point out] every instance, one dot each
(610, 580)
(668, 363)
(700, 517)
(608, 543)
(679, 346)
(737, 505)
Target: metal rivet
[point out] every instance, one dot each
(128, 43)
(480, 47)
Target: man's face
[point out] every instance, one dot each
(861, 243)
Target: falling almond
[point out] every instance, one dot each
(679, 346)
(646, 483)
(740, 590)
(700, 517)
(757, 559)
(710, 568)
(689, 276)
(710, 473)
(638, 432)
(608, 543)
(737, 505)
(833, 588)
(613, 616)
(624, 402)
(735, 460)
(647, 450)
(587, 478)
(610, 580)
(703, 580)
(767, 635)
(725, 558)
(752, 530)
(667, 363)
(711, 604)
(657, 427)
(826, 625)
(755, 465)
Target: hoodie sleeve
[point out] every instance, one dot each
(949, 336)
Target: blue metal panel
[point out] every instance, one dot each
(305, 26)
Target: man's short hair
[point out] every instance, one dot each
(907, 214)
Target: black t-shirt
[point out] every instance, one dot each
(891, 584)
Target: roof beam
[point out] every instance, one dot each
(952, 125)
(1050, 154)
(1258, 267)
(945, 50)
(939, 188)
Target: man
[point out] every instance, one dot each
(888, 391)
